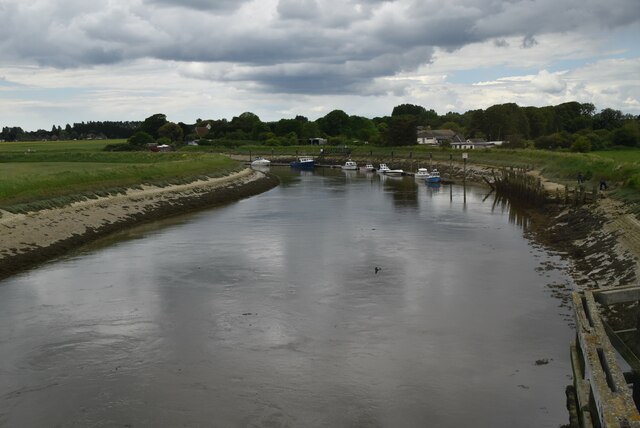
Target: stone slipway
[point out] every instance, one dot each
(28, 239)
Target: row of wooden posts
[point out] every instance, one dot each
(518, 185)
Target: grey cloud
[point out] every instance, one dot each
(301, 46)
(525, 17)
(339, 78)
(298, 9)
(528, 42)
(205, 5)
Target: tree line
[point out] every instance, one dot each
(77, 131)
(570, 126)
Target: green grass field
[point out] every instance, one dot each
(56, 146)
(33, 172)
(38, 174)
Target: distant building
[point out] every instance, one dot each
(202, 131)
(436, 137)
(475, 143)
(317, 141)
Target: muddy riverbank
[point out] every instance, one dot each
(29, 239)
(601, 240)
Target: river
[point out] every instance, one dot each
(269, 312)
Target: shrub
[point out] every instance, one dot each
(581, 145)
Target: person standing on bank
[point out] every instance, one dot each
(603, 184)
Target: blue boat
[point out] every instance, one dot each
(433, 177)
(303, 162)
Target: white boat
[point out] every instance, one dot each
(384, 169)
(422, 173)
(434, 176)
(261, 162)
(350, 165)
(369, 168)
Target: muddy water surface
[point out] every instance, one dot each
(269, 312)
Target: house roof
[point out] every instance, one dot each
(436, 133)
(202, 130)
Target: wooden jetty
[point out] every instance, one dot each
(604, 394)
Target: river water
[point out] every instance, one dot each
(268, 312)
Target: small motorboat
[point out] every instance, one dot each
(303, 162)
(369, 168)
(350, 165)
(261, 162)
(434, 176)
(422, 173)
(384, 169)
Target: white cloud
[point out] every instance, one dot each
(549, 82)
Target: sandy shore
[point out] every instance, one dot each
(28, 239)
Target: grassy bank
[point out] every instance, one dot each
(620, 168)
(42, 174)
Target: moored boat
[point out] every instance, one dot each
(261, 162)
(369, 168)
(422, 173)
(303, 162)
(350, 165)
(384, 169)
(434, 176)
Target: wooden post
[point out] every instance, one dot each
(464, 168)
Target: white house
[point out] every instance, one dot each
(475, 143)
(436, 137)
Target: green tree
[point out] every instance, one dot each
(476, 123)
(335, 123)
(286, 126)
(362, 128)
(502, 120)
(402, 131)
(608, 119)
(171, 131)
(153, 123)
(260, 131)
(627, 136)
(245, 122)
(310, 130)
(456, 127)
(409, 110)
(573, 116)
(140, 139)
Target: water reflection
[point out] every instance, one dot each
(403, 190)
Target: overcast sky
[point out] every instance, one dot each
(65, 61)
